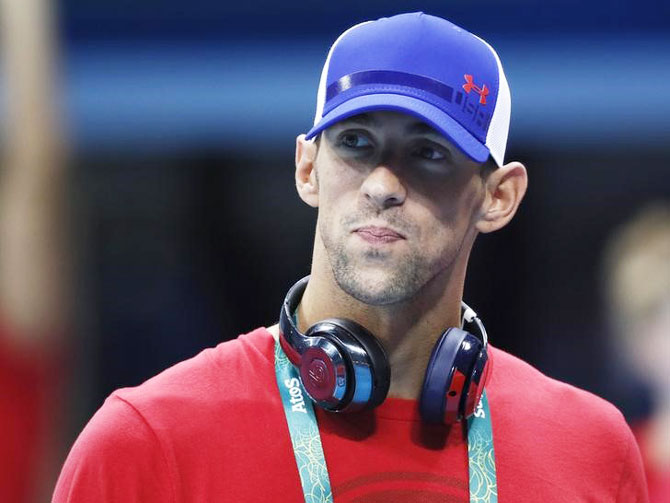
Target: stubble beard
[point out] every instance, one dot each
(377, 283)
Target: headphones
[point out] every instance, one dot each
(344, 368)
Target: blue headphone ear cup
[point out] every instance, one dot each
(379, 365)
(447, 374)
(368, 367)
(342, 365)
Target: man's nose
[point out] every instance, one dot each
(383, 188)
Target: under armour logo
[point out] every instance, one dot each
(483, 91)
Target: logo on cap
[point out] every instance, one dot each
(469, 85)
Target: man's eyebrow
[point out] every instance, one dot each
(363, 119)
(422, 128)
(417, 127)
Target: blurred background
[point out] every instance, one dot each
(158, 138)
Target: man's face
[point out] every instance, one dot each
(397, 203)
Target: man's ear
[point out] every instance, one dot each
(505, 188)
(305, 173)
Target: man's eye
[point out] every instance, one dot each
(430, 153)
(354, 140)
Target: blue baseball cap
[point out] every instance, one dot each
(424, 66)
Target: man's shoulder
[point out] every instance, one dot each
(213, 380)
(548, 430)
(181, 420)
(525, 392)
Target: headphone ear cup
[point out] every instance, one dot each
(379, 365)
(342, 365)
(325, 373)
(447, 375)
(475, 385)
(368, 373)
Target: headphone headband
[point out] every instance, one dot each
(469, 317)
(288, 330)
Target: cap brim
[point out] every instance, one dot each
(428, 113)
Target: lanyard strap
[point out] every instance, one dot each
(311, 461)
(481, 457)
(304, 432)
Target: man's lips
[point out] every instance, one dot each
(374, 234)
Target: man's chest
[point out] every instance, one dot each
(390, 460)
(395, 460)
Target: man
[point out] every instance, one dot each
(405, 165)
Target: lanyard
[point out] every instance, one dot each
(308, 450)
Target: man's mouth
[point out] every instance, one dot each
(374, 234)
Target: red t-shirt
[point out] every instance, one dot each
(213, 429)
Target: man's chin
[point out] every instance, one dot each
(378, 289)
